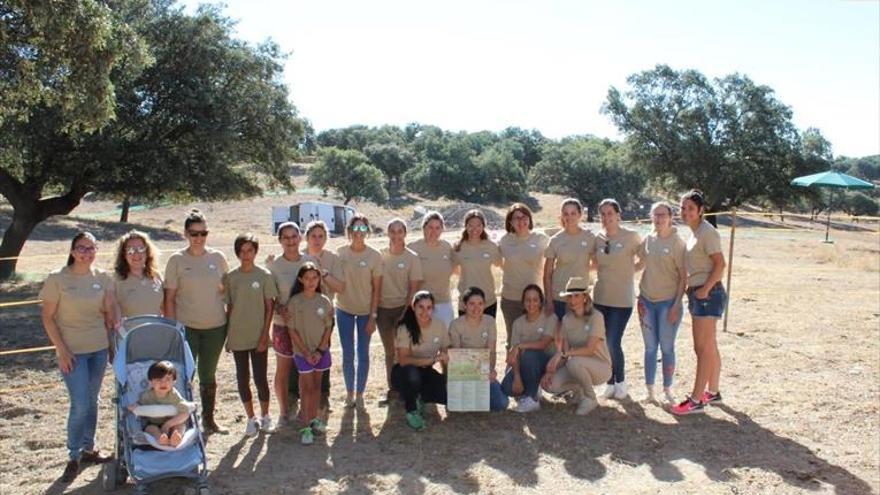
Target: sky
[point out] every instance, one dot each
(488, 64)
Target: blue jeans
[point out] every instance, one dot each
(657, 331)
(83, 385)
(615, 323)
(346, 323)
(531, 368)
(711, 307)
(497, 400)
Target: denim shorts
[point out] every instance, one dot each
(711, 307)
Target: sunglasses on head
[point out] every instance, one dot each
(197, 233)
(360, 228)
(85, 249)
(136, 250)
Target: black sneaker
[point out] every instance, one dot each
(710, 398)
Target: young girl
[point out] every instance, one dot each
(310, 323)
(250, 294)
(167, 431)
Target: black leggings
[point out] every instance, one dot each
(413, 381)
(260, 363)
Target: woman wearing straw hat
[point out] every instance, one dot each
(582, 360)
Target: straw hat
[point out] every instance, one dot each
(575, 285)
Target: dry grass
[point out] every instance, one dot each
(801, 377)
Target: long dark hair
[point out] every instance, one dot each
(698, 198)
(76, 238)
(297, 285)
(409, 316)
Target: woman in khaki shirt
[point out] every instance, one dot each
(614, 294)
(522, 252)
(707, 300)
(360, 269)
(436, 257)
(582, 360)
(194, 295)
(401, 277)
(660, 291)
(78, 317)
(568, 255)
(138, 288)
(473, 257)
(422, 342)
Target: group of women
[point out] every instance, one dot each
(560, 335)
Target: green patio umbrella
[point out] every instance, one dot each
(832, 180)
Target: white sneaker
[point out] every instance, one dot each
(267, 425)
(667, 392)
(609, 391)
(649, 391)
(586, 407)
(251, 428)
(620, 391)
(527, 405)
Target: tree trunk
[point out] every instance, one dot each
(13, 241)
(126, 205)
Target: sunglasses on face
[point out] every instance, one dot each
(85, 249)
(135, 250)
(360, 228)
(197, 233)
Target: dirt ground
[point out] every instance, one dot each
(801, 381)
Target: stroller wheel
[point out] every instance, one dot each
(108, 476)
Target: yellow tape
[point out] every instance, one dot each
(20, 303)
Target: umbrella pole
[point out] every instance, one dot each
(828, 218)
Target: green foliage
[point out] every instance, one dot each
(60, 55)
(861, 204)
(392, 159)
(729, 137)
(350, 173)
(866, 167)
(500, 175)
(532, 142)
(587, 168)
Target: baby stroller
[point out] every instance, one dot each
(141, 341)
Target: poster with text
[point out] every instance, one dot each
(467, 385)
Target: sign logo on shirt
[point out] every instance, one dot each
(401, 265)
(486, 255)
(584, 243)
(436, 340)
(212, 266)
(96, 286)
(587, 327)
(665, 250)
(540, 329)
(362, 263)
(533, 246)
(618, 245)
(255, 284)
(320, 311)
(445, 256)
(485, 335)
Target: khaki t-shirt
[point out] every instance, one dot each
(572, 254)
(525, 331)
(398, 270)
(247, 293)
(139, 295)
(614, 281)
(199, 284)
(330, 262)
(577, 331)
(476, 268)
(436, 268)
(357, 271)
(172, 398)
(663, 260)
(523, 262)
(309, 317)
(433, 339)
(703, 243)
(284, 272)
(80, 300)
(462, 334)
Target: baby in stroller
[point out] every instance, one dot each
(167, 430)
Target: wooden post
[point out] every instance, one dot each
(730, 264)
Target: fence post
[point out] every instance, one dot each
(730, 264)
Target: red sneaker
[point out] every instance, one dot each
(710, 398)
(687, 406)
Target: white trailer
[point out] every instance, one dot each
(334, 216)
